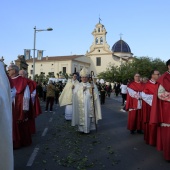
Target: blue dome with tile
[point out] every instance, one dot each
(121, 46)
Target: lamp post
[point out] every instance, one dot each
(37, 30)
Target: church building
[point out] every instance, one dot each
(97, 59)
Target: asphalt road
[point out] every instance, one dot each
(58, 146)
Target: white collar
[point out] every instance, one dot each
(15, 77)
(152, 81)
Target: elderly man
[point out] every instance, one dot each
(67, 96)
(22, 134)
(160, 113)
(86, 101)
(6, 146)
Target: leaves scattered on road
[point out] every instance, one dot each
(66, 147)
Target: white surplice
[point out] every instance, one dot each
(66, 98)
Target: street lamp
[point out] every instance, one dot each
(37, 30)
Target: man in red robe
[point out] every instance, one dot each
(21, 108)
(134, 105)
(160, 113)
(35, 108)
(147, 96)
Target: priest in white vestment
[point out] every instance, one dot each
(67, 96)
(86, 113)
(6, 143)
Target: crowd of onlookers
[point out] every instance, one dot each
(50, 92)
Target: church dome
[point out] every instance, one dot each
(121, 46)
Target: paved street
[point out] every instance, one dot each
(58, 146)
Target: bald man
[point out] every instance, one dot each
(23, 73)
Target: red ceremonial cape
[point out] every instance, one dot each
(149, 88)
(36, 106)
(20, 84)
(132, 103)
(15, 131)
(160, 111)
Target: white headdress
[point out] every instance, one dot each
(84, 72)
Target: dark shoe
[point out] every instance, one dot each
(132, 132)
(139, 131)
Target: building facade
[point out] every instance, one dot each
(57, 64)
(97, 59)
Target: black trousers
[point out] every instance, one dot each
(102, 97)
(49, 100)
(123, 98)
(44, 96)
(56, 98)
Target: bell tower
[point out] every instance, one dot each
(99, 44)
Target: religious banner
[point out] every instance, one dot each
(39, 54)
(27, 53)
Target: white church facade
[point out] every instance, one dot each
(97, 59)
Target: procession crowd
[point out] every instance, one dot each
(19, 108)
(146, 100)
(148, 104)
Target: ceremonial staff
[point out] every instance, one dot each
(92, 73)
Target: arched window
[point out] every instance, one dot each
(98, 29)
(101, 40)
(97, 41)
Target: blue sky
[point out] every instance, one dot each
(145, 25)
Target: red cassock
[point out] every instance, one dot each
(134, 116)
(150, 130)
(15, 131)
(22, 136)
(35, 108)
(160, 113)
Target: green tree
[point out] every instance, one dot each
(41, 78)
(141, 65)
(160, 65)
